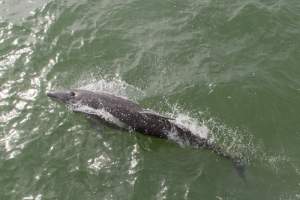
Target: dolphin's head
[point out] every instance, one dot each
(67, 96)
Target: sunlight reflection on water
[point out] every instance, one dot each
(25, 89)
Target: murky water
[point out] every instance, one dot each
(228, 70)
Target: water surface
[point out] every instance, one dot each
(227, 69)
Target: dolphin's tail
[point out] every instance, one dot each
(238, 163)
(240, 168)
(195, 141)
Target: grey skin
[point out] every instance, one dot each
(130, 113)
(137, 118)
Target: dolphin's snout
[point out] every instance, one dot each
(51, 94)
(61, 96)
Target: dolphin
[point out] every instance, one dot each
(126, 114)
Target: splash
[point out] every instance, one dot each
(185, 119)
(112, 84)
(235, 142)
(198, 129)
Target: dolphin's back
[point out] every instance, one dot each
(99, 100)
(128, 112)
(119, 103)
(138, 119)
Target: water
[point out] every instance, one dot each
(227, 69)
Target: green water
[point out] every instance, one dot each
(230, 67)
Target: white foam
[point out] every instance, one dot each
(96, 164)
(185, 119)
(192, 124)
(173, 135)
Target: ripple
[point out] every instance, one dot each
(5, 92)
(162, 194)
(31, 197)
(29, 95)
(14, 10)
(9, 143)
(13, 56)
(133, 160)
(98, 163)
(6, 117)
(147, 51)
(21, 105)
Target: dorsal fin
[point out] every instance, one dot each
(150, 112)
